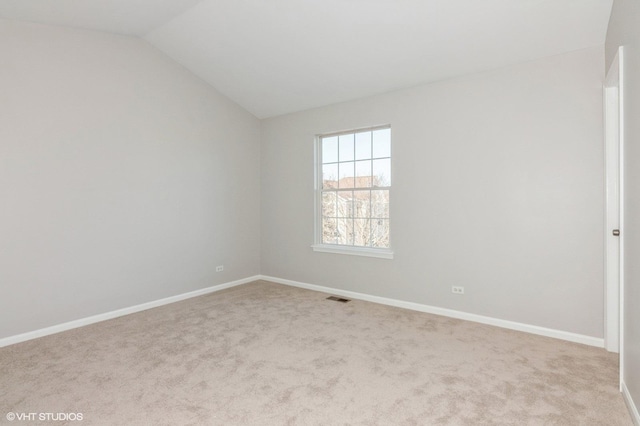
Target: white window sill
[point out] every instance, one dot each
(356, 251)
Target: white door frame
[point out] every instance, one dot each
(614, 211)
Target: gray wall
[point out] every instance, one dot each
(624, 29)
(123, 178)
(497, 187)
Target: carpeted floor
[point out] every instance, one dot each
(267, 354)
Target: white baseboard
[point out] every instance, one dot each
(633, 409)
(118, 313)
(533, 329)
(563, 335)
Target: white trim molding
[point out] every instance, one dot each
(119, 313)
(542, 331)
(511, 325)
(353, 250)
(613, 197)
(633, 409)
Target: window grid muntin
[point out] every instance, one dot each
(351, 216)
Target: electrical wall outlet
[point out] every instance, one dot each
(220, 268)
(457, 290)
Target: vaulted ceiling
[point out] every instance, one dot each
(279, 56)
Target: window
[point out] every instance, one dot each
(353, 192)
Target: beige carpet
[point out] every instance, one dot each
(266, 354)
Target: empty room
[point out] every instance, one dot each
(338, 212)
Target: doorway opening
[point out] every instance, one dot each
(614, 212)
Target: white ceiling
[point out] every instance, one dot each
(129, 17)
(280, 56)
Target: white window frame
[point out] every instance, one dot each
(318, 246)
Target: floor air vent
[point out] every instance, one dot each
(338, 299)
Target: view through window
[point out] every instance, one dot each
(355, 187)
